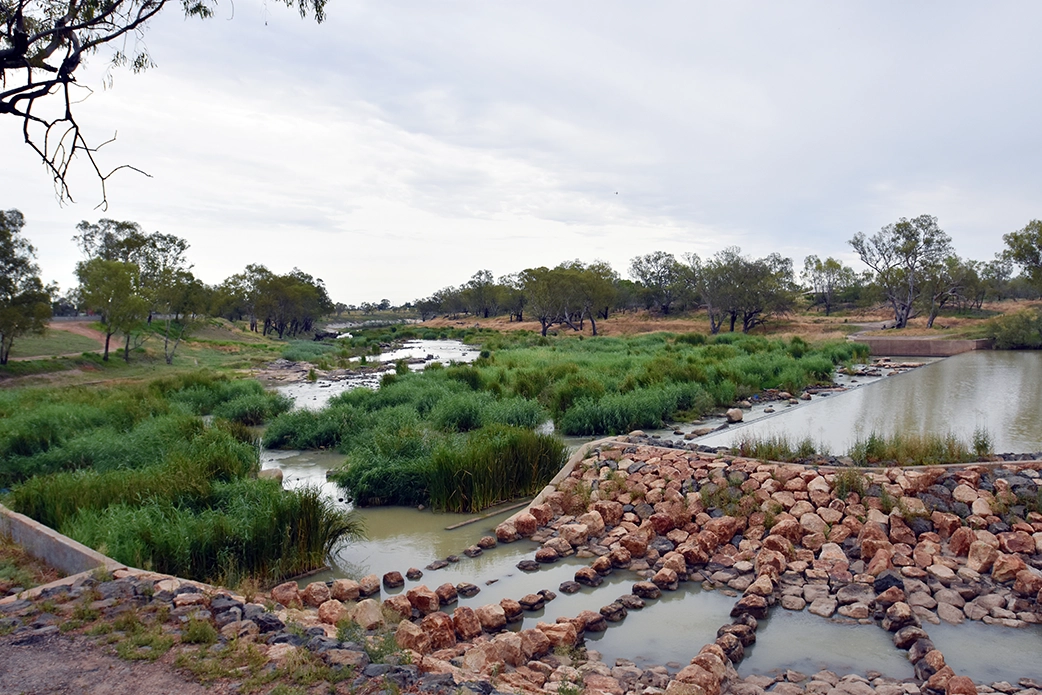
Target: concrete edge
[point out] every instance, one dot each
(574, 460)
(60, 552)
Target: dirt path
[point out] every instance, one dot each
(82, 328)
(60, 664)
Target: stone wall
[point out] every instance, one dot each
(922, 347)
(58, 551)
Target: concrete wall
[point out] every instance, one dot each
(58, 551)
(922, 347)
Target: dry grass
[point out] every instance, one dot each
(18, 568)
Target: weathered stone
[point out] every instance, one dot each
(610, 511)
(412, 636)
(344, 590)
(466, 623)
(513, 610)
(399, 603)
(614, 612)
(734, 415)
(1006, 567)
(732, 646)
(824, 607)
(603, 566)
(532, 602)
(899, 615)
(665, 579)
(492, 617)
(750, 604)
(487, 542)
(559, 634)
(588, 576)
(466, 589)
(575, 534)
(368, 585)
(981, 556)
(440, 629)
(588, 621)
(855, 611)
(332, 612)
(423, 599)
(959, 543)
(368, 614)
(909, 635)
(1027, 583)
(534, 643)
(393, 580)
(506, 533)
(525, 524)
(635, 543)
(569, 587)
(287, 593)
(446, 594)
(593, 521)
(960, 685)
(793, 603)
(646, 590)
(546, 555)
(620, 557)
(239, 629)
(950, 614)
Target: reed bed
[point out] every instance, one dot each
(890, 450)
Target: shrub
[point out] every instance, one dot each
(1021, 330)
(254, 409)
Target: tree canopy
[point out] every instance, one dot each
(1024, 247)
(43, 45)
(25, 304)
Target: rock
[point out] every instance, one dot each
(824, 607)
(506, 533)
(368, 585)
(423, 599)
(960, 685)
(487, 542)
(614, 612)
(492, 617)
(793, 603)
(437, 565)
(525, 524)
(532, 602)
(400, 605)
(528, 566)
(315, 594)
(575, 534)
(239, 629)
(440, 629)
(588, 576)
(750, 604)
(855, 611)
(466, 623)
(636, 544)
(466, 589)
(559, 634)
(950, 614)
(344, 590)
(961, 538)
(899, 615)
(1027, 583)
(393, 580)
(413, 574)
(734, 415)
(546, 555)
(856, 592)
(534, 643)
(569, 587)
(412, 636)
(346, 658)
(665, 579)
(513, 610)
(603, 566)
(909, 635)
(594, 523)
(646, 590)
(367, 613)
(332, 612)
(732, 646)
(446, 593)
(812, 523)
(1006, 567)
(288, 594)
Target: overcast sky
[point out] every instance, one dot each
(401, 146)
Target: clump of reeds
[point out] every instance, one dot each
(904, 449)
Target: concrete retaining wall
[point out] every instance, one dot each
(60, 552)
(922, 347)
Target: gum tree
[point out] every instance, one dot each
(901, 255)
(25, 304)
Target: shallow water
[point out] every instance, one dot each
(809, 643)
(990, 653)
(995, 390)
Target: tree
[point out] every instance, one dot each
(1024, 247)
(827, 279)
(945, 282)
(43, 43)
(900, 254)
(733, 287)
(108, 287)
(661, 275)
(25, 304)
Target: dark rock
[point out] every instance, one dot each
(413, 573)
(569, 587)
(466, 589)
(886, 580)
(35, 636)
(252, 610)
(662, 545)
(547, 595)
(532, 602)
(528, 566)
(473, 551)
(220, 604)
(588, 576)
(322, 644)
(437, 565)
(631, 601)
(377, 670)
(288, 638)
(647, 590)
(268, 622)
(613, 612)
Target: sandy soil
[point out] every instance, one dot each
(60, 664)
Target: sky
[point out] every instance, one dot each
(399, 147)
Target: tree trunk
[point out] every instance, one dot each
(108, 337)
(593, 324)
(126, 350)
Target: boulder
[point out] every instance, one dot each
(332, 612)
(393, 580)
(960, 685)
(559, 634)
(482, 658)
(466, 623)
(959, 543)
(412, 636)
(1006, 567)
(610, 511)
(492, 617)
(287, 593)
(588, 576)
(525, 524)
(750, 604)
(734, 415)
(440, 629)
(635, 544)
(646, 590)
(400, 605)
(594, 523)
(506, 533)
(665, 579)
(1017, 542)
(423, 599)
(981, 556)
(575, 534)
(513, 610)
(368, 614)
(466, 589)
(413, 573)
(546, 555)
(509, 648)
(1027, 583)
(344, 590)
(534, 643)
(368, 585)
(898, 616)
(446, 594)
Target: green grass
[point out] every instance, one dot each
(899, 449)
(52, 342)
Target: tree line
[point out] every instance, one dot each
(131, 279)
(912, 268)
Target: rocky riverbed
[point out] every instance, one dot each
(898, 550)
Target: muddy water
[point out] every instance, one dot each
(990, 653)
(995, 390)
(315, 395)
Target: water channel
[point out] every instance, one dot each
(996, 390)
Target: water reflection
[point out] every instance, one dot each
(996, 390)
